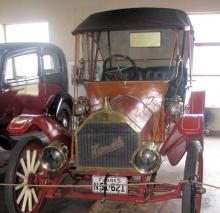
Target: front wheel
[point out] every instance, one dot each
(24, 168)
(191, 199)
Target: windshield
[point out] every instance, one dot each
(129, 55)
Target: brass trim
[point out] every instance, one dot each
(105, 116)
(101, 169)
(63, 151)
(128, 82)
(73, 138)
(109, 116)
(153, 148)
(106, 103)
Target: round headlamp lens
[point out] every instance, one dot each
(52, 159)
(146, 161)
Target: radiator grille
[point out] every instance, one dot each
(109, 145)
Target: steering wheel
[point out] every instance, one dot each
(120, 72)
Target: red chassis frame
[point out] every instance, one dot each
(188, 128)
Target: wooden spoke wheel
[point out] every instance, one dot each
(25, 168)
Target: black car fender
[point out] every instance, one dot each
(55, 103)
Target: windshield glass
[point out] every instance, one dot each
(128, 55)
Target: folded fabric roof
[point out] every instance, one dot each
(133, 19)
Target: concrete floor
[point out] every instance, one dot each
(211, 200)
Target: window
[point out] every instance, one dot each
(50, 63)
(25, 66)
(206, 60)
(205, 27)
(9, 70)
(145, 39)
(207, 44)
(1, 34)
(206, 69)
(31, 32)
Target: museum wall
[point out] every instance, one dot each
(64, 15)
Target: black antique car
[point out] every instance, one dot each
(133, 115)
(33, 80)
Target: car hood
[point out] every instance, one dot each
(141, 102)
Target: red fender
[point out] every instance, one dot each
(197, 102)
(187, 128)
(29, 123)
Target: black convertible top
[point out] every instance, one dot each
(135, 18)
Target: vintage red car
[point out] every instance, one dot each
(33, 80)
(134, 65)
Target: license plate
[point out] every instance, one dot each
(115, 185)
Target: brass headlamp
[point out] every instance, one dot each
(146, 159)
(55, 156)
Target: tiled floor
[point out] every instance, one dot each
(211, 200)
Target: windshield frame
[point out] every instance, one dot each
(178, 47)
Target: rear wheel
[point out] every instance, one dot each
(191, 200)
(25, 168)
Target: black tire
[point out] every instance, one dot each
(64, 116)
(29, 152)
(191, 202)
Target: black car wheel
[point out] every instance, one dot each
(24, 168)
(191, 200)
(64, 116)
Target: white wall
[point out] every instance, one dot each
(64, 15)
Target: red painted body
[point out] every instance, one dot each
(197, 102)
(149, 104)
(25, 99)
(189, 127)
(158, 193)
(31, 123)
(141, 102)
(174, 147)
(24, 91)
